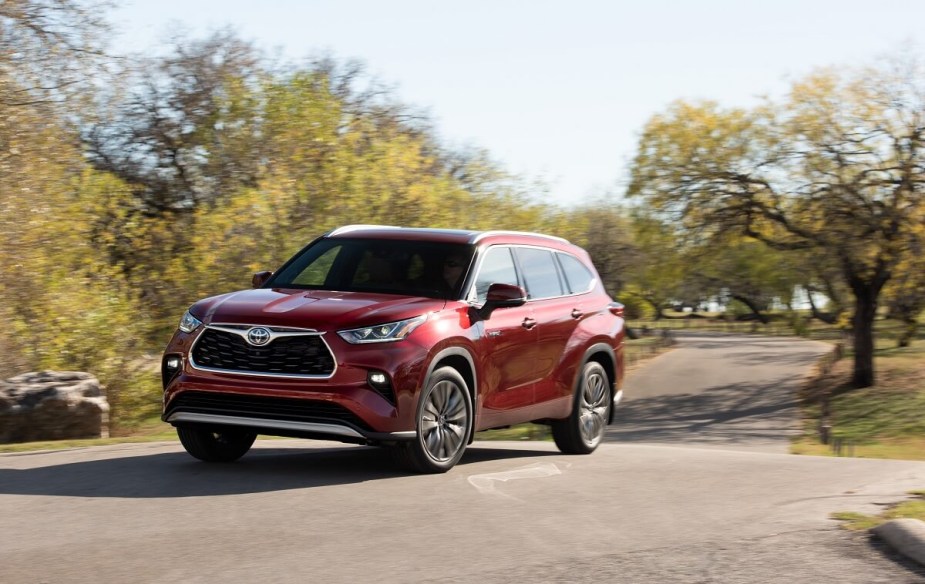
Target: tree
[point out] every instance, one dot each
(187, 133)
(820, 274)
(47, 48)
(657, 275)
(742, 269)
(905, 293)
(606, 232)
(838, 166)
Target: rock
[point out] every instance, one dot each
(52, 405)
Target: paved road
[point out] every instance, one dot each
(719, 390)
(300, 511)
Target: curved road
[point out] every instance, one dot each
(719, 390)
(641, 509)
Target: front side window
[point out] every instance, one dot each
(497, 268)
(540, 273)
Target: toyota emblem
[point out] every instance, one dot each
(258, 336)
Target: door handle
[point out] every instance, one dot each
(528, 323)
(576, 313)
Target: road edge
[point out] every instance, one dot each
(906, 536)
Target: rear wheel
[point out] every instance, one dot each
(211, 445)
(583, 430)
(444, 423)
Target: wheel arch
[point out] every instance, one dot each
(461, 360)
(603, 354)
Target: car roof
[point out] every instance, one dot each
(462, 236)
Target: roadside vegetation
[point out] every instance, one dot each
(914, 508)
(886, 420)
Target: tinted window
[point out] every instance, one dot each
(318, 270)
(497, 268)
(579, 278)
(540, 273)
(411, 268)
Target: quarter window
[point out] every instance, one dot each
(540, 273)
(579, 278)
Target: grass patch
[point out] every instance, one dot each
(886, 420)
(896, 449)
(911, 509)
(537, 432)
(150, 431)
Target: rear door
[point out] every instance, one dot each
(557, 314)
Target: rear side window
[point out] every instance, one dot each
(579, 277)
(540, 273)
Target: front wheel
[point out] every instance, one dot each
(211, 445)
(444, 422)
(583, 430)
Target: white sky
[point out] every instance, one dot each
(557, 90)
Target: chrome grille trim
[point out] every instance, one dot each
(275, 333)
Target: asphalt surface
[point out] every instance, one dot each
(716, 390)
(682, 496)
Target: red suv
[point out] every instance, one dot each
(410, 339)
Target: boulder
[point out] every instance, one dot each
(52, 405)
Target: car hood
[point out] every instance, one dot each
(315, 309)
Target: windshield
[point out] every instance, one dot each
(409, 268)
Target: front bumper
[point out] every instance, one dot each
(332, 431)
(344, 406)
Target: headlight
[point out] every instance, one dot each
(189, 323)
(382, 333)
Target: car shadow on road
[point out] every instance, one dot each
(176, 474)
(734, 414)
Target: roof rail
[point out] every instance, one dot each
(349, 228)
(485, 234)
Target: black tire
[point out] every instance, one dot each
(214, 445)
(443, 423)
(584, 429)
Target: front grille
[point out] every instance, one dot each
(267, 408)
(299, 355)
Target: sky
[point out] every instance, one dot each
(556, 91)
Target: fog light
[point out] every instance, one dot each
(170, 369)
(380, 382)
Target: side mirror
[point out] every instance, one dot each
(260, 278)
(502, 296)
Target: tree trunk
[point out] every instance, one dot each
(863, 323)
(752, 306)
(908, 331)
(826, 318)
(657, 307)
